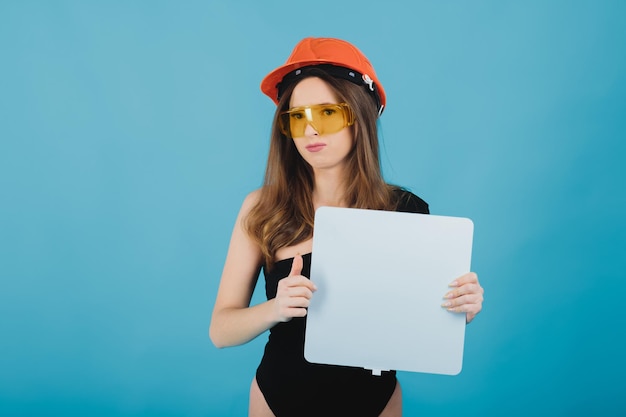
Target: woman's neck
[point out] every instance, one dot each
(329, 189)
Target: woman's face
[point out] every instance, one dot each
(321, 151)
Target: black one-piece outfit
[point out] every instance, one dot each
(294, 387)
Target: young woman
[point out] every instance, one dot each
(323, 152)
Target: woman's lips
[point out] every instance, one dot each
(315, 147)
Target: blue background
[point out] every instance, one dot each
(130, 132)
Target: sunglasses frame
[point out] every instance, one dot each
(344, 108)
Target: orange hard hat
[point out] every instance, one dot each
(328, 52)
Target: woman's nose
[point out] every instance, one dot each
(310, 130)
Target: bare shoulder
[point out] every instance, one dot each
(252, 198)
(249, 202)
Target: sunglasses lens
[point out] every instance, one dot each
(298, 121)
(324, 118)
(283, 123)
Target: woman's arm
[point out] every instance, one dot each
(233, 321)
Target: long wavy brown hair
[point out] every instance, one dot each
(284, 213)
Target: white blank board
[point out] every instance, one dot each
(381, 277)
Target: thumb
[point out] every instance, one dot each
(296, 266)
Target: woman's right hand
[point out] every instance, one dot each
(294, 293)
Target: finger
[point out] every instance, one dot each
(294, 282)
(290, 312)
(460, 303)
(296, 266)
(464, 289)
(468, 278)
(466, 308)
(289, 307)
(300, 291)
(294, 307)
(298, 302)
(296, 312)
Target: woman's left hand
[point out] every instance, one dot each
(465, 297)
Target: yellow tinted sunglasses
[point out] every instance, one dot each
(324, 118)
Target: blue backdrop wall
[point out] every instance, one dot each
(130, 132)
